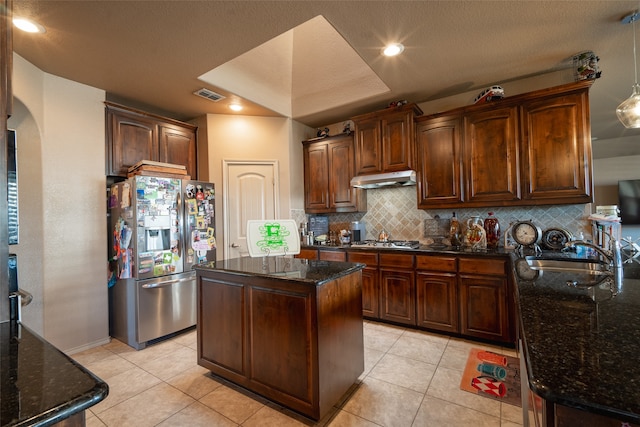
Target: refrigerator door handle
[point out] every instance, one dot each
(180, 224)
(166, 283)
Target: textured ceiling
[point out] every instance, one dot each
(153, 53)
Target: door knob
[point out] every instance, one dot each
(235, 245)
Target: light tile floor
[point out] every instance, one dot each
(411, 379)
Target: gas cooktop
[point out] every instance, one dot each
(390, 244)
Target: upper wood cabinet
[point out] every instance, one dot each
(384, 140)
(439, 152)
(491, 162)
(134, 135)
(556, 150)
(530, 149)
(328, 169)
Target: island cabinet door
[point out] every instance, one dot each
(221, 334)
(280, 328)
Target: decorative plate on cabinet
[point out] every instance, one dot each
(555, 238)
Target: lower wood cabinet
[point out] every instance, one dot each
(437, 293)
(483, 287)
(397, 288)
(466, 295)
(332, 255)
(307, 253)
(370, 282)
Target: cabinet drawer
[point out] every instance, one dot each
(308, 254)
(396, 260)
(437, 263)
(332, 255)
(494, 267)
(369, 258)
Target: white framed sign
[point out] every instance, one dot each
(272, 237)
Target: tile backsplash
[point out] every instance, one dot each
(394, 209)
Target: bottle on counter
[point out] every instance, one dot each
(580, 250)
(303, 233)
(455, 233)
(492, 228)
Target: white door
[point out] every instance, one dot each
(252, 193)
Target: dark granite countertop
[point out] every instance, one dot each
(40, 385)
(581, 346)
(423, 249)
(314, 272)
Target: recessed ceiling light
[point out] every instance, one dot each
(235, 107)
(28, 25)
(393, 49)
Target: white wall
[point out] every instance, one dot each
(31, 245)
(235, 137)
(70, 277)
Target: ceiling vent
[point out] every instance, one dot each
(209, 94)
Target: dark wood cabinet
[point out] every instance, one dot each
(308, 253)
(465, 295)
(437, 292)
(384, 140)
(556, 148)
(133, 135)
(299, 344)
(491, 165)
(332, 255)
(177, 145)
(439, 152)
(397, 288)
(328, 169)
(529, 149)
(483, 288)
(370, 282)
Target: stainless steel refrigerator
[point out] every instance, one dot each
(160, 228)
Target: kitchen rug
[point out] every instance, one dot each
(492, 375)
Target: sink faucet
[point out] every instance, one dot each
(613, 255)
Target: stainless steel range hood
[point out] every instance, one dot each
(390, 179)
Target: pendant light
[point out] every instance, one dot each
(629, 111)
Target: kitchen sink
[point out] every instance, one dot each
(577, 265)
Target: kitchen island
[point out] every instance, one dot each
(580, 347)
(288, 329)
(40, 385)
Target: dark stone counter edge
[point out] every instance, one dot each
(352, 267)
(82, 402)
(545, 393)
(423, 249)
(62, 412)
